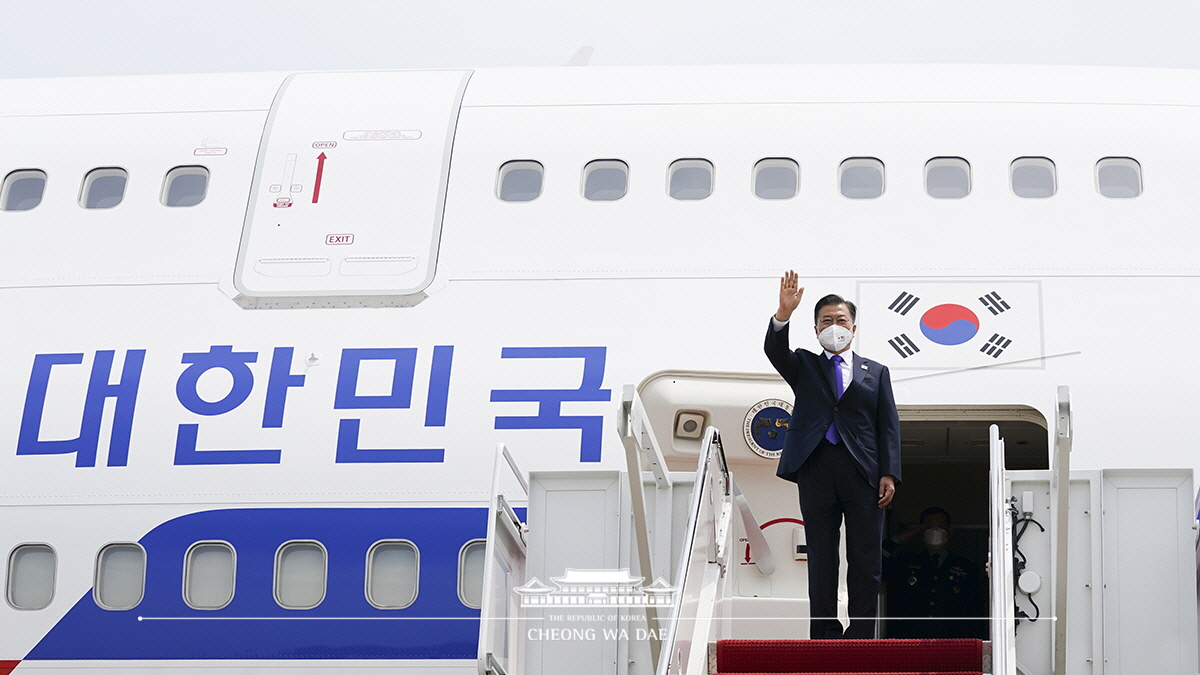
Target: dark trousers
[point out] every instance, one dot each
(831, 487)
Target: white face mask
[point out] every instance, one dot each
(835, 338)
(936, 536)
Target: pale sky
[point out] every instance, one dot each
(52, 38)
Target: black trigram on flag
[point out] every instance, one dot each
(904, 345)
(994, 303)
(996, 345)
(903, 303)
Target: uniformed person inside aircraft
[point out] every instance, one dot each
(935, 586)
(842, 449)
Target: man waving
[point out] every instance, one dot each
(843, 451)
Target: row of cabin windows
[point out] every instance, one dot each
(210, 575)
(103, 188)
(605, 180)
(608, 180)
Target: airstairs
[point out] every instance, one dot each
(1091, 575)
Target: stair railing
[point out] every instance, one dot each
(501, 647)
(1060, 482)
(1003, 623)
(640, 441)
(701, 573)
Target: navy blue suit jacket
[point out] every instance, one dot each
(866, 413)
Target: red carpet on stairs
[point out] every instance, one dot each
(862, 657)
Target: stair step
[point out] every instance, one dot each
(850, 656)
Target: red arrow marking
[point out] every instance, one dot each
(320, 172)
(747, 554)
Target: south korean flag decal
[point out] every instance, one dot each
(946, 325)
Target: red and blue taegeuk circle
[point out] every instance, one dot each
(949, 324)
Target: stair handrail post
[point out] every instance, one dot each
(487, 662)
(701, 494)
(1003, 622)
(715, 549)
(1060, 479)
(630, 419)
(512, 464)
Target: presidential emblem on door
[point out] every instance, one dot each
(766, 427)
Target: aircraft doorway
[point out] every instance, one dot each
(945, 463)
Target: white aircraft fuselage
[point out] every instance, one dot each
(349, 307)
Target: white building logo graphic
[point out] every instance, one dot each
(596, 588)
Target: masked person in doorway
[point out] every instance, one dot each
(842, 449)
(935, 590)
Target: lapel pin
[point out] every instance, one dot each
(864, 366)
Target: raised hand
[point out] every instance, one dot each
(789, 295)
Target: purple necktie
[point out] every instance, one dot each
(832, 434)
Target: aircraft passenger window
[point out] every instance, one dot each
(777, 178)
(690, 179)
(120, 576)
(392, 572)
(519, 181)
(30, 582)
(300, 575)
(1119, 177)
(947, 178)
(185, 186)
(861, 178)
(1033, 177)
(605, 180)
(208, 575)
(22, 190)
(103, 188)
(471, 560)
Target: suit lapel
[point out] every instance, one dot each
(857, 372)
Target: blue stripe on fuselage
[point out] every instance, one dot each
(253, 626)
